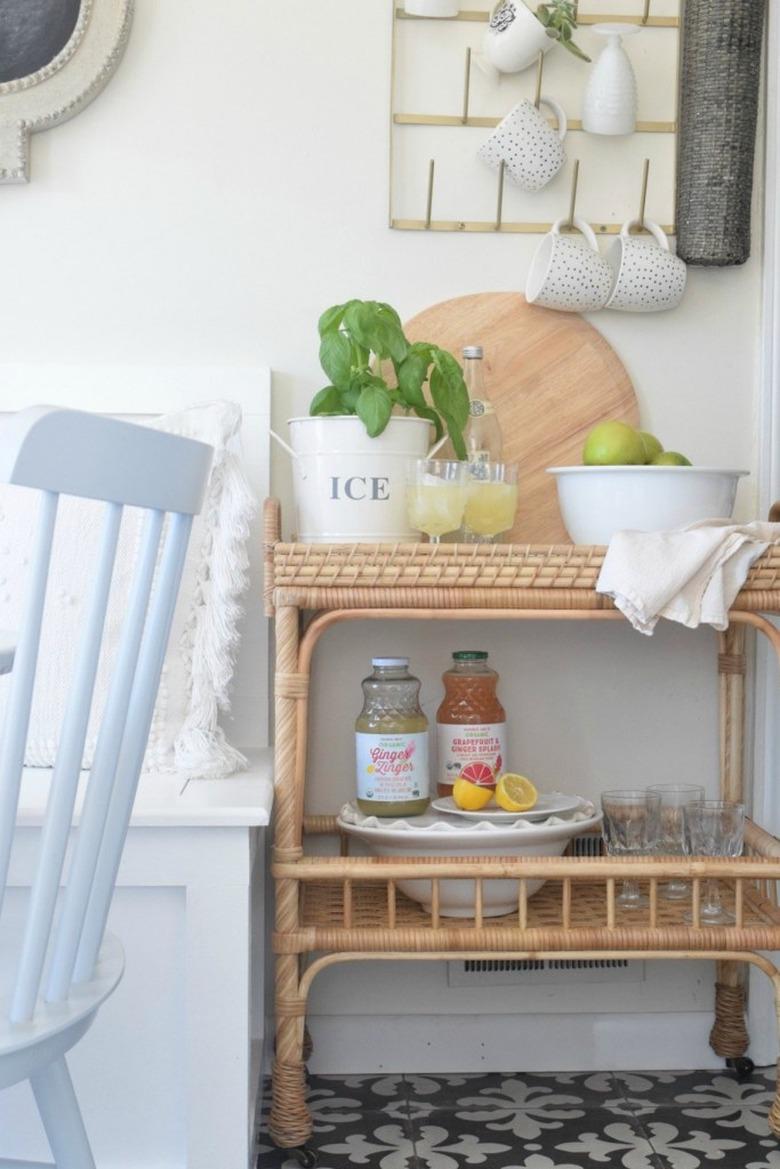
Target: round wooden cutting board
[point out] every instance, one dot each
(551, 377)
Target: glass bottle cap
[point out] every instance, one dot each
(473, 351)
(389, 663)
(470, 655)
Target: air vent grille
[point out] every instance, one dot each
(525, 971)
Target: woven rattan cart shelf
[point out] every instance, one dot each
(333, 909)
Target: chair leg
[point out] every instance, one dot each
(61, 1116)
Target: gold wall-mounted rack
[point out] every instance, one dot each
(402, 119)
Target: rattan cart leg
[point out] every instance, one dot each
(290, 1122)
(774, 1111)
(729, 1037)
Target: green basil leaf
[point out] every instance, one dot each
(411, 374)
(360, 320)
(331, 318)
(374, 407)
(452, 393)
(327, 401)
(336, 358)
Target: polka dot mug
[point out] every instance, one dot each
(568, 272)
(647, 276)
(526, 142)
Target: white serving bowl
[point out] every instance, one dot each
(596, 502)
(442, 836)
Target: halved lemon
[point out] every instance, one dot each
(515, 793)
(470, 796)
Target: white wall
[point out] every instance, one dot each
(231, 183)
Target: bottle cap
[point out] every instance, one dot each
(473, 351)
(470, 655)
(390, 663)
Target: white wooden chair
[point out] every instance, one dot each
(57, 963)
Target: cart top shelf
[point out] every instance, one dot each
(485, 576)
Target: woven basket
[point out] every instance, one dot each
(719, 83)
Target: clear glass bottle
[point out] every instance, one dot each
(391, 743)
(483, 437)
(471, 722)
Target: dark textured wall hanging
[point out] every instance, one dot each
(719, 83)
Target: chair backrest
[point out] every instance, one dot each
(66, 452)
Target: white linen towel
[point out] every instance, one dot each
(690, 575)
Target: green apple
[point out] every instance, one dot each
(652, 446)
(671, 459)
(613, 444)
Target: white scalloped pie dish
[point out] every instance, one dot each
(436, 835)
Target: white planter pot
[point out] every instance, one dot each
(350, 488)
(437, 8)
(514, 38)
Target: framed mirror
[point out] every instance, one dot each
(55, 57)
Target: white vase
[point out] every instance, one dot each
(610, 101)
(514, 38)
(437, 8)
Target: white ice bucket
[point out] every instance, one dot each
(350, 488)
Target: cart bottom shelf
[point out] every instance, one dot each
(361, 919)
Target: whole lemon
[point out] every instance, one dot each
(613, 444)
(671, 459)
(651, 444)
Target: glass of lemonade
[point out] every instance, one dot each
(436, 496)
(491, 501)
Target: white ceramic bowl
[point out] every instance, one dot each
(440, 836)
(596, 502)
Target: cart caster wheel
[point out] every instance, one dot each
(742, 1067)
(306, 1158)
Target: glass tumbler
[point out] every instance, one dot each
(491, 501)
(714, 828)
(630, 828)
(436, 496)
(671, 833)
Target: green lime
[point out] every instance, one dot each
(671, 459)
(613, 444)
(651, 444)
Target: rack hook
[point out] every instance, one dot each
(643, 197)
(539, 72)
(466, 87)
(500, 203)
(573, 200)
(429, 203)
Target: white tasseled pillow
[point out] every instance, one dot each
(198, 669)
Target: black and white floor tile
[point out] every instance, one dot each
(626, 1120)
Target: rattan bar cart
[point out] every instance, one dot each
(334, 909)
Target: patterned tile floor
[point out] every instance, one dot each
(626, 1120)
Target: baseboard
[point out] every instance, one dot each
(349, 1045)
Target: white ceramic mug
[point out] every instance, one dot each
(514, 37)
(566, 275)
(526, 142)
(646, 276)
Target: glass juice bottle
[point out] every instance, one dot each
(471, 722)
(483, 437)
(391, 742)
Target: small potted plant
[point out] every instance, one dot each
(516, 35)
(386, 401)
